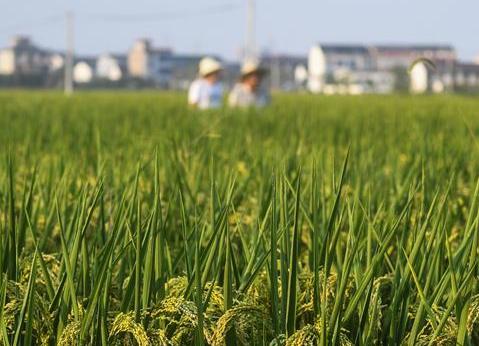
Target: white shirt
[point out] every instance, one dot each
(242, 96)
(205, 95)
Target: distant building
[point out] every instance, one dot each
(347, 57)
(84, 70)
(57, 62)
(339, 64)
(300, 76)
(398, 58)
(138, 59)
(371, 81)
(466, 76)
(112, 67)
(387, 57)
(282, 68)
(184, 69)
(148, 63)
(328, 68)
(374, 68)
(163, 67)
(342, 68)
(22, 57)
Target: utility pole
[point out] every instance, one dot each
(69, 54)
(250, 48)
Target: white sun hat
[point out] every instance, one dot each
(208, 66)
(252, 66)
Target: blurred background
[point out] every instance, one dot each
(331, 46)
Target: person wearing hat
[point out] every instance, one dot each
(248, 92)
(206, 92)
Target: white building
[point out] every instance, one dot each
(148, 63)
(466, 76)
(112, 67)
(375, 68)
(344, 69)
(84, 70)
(57, 62)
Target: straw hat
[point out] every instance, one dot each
(208, 66)
(252, 66)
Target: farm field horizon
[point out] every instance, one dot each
(127, 218)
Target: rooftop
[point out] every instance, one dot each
(344, 48)
(413, 47)
(467, 67)
(397, 48)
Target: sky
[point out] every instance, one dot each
(219, 26)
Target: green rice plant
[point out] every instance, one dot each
(129, 219)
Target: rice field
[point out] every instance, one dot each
(129, 219)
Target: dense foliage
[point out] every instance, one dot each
(128, 219)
